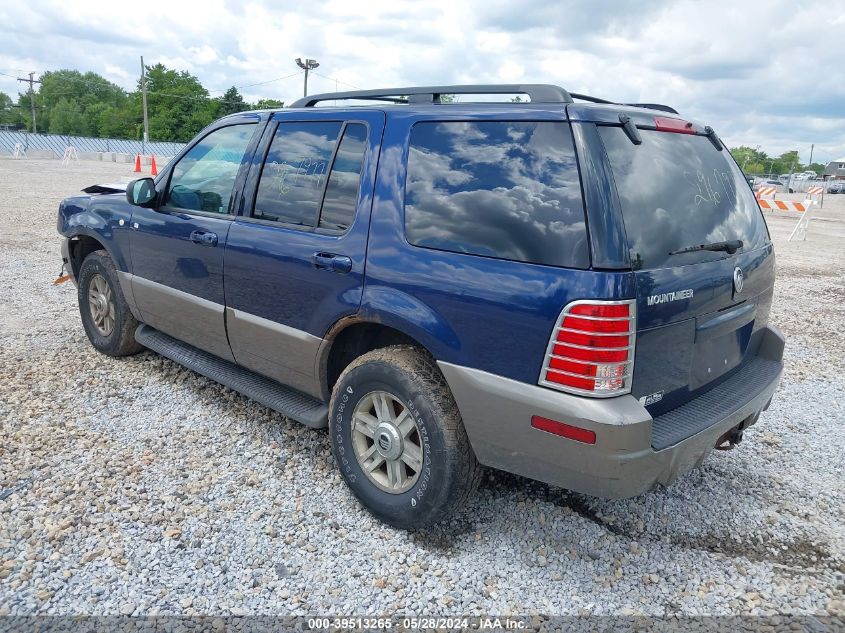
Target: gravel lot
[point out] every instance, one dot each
(137, 487)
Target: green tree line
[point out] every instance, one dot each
(757, 162)
(87, 104)
(179, 106)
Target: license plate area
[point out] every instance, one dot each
(714, 356)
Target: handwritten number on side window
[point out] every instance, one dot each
(288, 173)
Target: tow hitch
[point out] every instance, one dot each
(730, 439)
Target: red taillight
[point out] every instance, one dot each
(669, 124)
(591, 351)
(587, 325)
(564, 430)
(604, 310)
(576, 338)
(595, 356)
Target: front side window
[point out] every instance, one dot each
(292, 180)
(204, 178)
(504, 189)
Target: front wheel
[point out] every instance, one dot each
(106, 317)
(398, 438)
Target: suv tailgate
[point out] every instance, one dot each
(697, 311)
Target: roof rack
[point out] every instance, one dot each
(538, 93)
(653, 106)
(650, 106)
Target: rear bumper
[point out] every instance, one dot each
(622, 463)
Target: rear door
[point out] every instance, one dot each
(697, 310)
(295, 257)
(177, 248)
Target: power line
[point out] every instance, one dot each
(345, 83)
(261, 83)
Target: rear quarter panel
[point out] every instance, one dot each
(480, 312)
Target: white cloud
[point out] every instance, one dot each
(766, 73)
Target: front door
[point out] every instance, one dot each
(295, 257)
(177, 248)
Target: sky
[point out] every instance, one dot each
(761, 73)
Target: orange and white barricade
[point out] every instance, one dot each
(804, 208)
(784, 205)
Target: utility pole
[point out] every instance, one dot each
(144, 101)
(308, 64)
(812, 147)
(31, 81)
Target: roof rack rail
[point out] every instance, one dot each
(576, 95)
(538, 93)
(653, 106)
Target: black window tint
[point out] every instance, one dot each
(294, 172)
(204, 177)
(678, 190)
(500, 189)
(342, 190)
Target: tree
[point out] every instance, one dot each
(790, 161)
(269, 104)
(231, 102)
(177, 103)
(67, 118)
(78, 96)
(8, 116)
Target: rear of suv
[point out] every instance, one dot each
(574, 292)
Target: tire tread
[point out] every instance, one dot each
(423, 371)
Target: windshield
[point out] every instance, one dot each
(677, 191)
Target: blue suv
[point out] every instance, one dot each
(574, 292)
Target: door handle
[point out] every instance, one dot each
(331, 261)
(204, 238)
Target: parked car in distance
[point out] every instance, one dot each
(836, 187)
(447, 286)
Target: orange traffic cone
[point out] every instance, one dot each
(137, 163)
(153, 168)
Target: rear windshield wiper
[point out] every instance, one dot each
(731, 247)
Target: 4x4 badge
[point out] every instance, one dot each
(739, 279)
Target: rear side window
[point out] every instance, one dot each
(500, 189)
(308, 180)
(342, 189)
(676, 191)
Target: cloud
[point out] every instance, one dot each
(761, 73)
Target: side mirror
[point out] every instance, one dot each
(141, 192)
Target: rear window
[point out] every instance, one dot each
(498, 189)
(676, 191)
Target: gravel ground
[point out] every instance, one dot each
(137, 487)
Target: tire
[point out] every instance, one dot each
(449, 472)
(114, 336)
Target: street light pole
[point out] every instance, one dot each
(308, 64)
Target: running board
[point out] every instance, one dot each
(290, 403)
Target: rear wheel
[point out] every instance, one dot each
(398, 438)
(106, 317)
